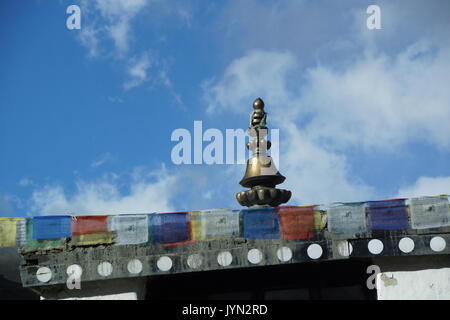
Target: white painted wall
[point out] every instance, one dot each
(429, 284)
(119, 296)
(119, 289)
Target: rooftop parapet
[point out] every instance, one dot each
(123, 246)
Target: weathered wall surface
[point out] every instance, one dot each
(40, 269)
(10, 284)
(420, 278)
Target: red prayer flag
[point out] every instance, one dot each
(89, 224)
(296, 222)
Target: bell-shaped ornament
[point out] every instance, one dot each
(261, 170)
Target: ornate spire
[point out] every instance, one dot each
(261, 174)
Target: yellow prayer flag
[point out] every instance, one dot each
(93, 238)
(8, 232)
(320, 219)
(196, 225)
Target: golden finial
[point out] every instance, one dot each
(261, 174)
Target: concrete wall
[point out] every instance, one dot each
(117, 289)
(414, 278)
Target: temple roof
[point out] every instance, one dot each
(121, 246)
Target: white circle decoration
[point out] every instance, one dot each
(345, 248)
(375, 246)
(437, 244)
(105, 269)
(284, 254)
(134, 266)
(315, 251)
(406, 245)
(194, 261)
(254, 256)
(224, 258)
(44, 274)
(164, 263)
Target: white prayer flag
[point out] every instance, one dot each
(130, 229)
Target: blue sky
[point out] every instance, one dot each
(86, 115)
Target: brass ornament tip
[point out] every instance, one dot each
(258, 104)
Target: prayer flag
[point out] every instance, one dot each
(92, 238)
(89, 224)
(296, 222)
(387, 215)
(169, 227)
(349, 218)
(219, 224)
(429, 212)
(51, 227)
(8, 228)
(130, 229)
(261, 223)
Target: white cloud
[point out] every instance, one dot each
(89, 39)
(182, 188)
(316, 30)
(25, 182)
(108, 19)
(119, 14)
(184, 14)
(334, 87)
(113, 9)
(359, 87)
(259, 73)
(426, 186)
(102, 159)
(138, 71)
(148, 192)
(375, 102)
(381, 102)
(107, 22)
(115, 100)
(114, 18)
(315, 174)
(119, 33)
(8, 204)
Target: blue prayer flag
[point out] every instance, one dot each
(261, 223)
(52, 227)
(386, 203)
(387, 215)
(169, 227)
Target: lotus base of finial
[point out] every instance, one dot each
(263, 196)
